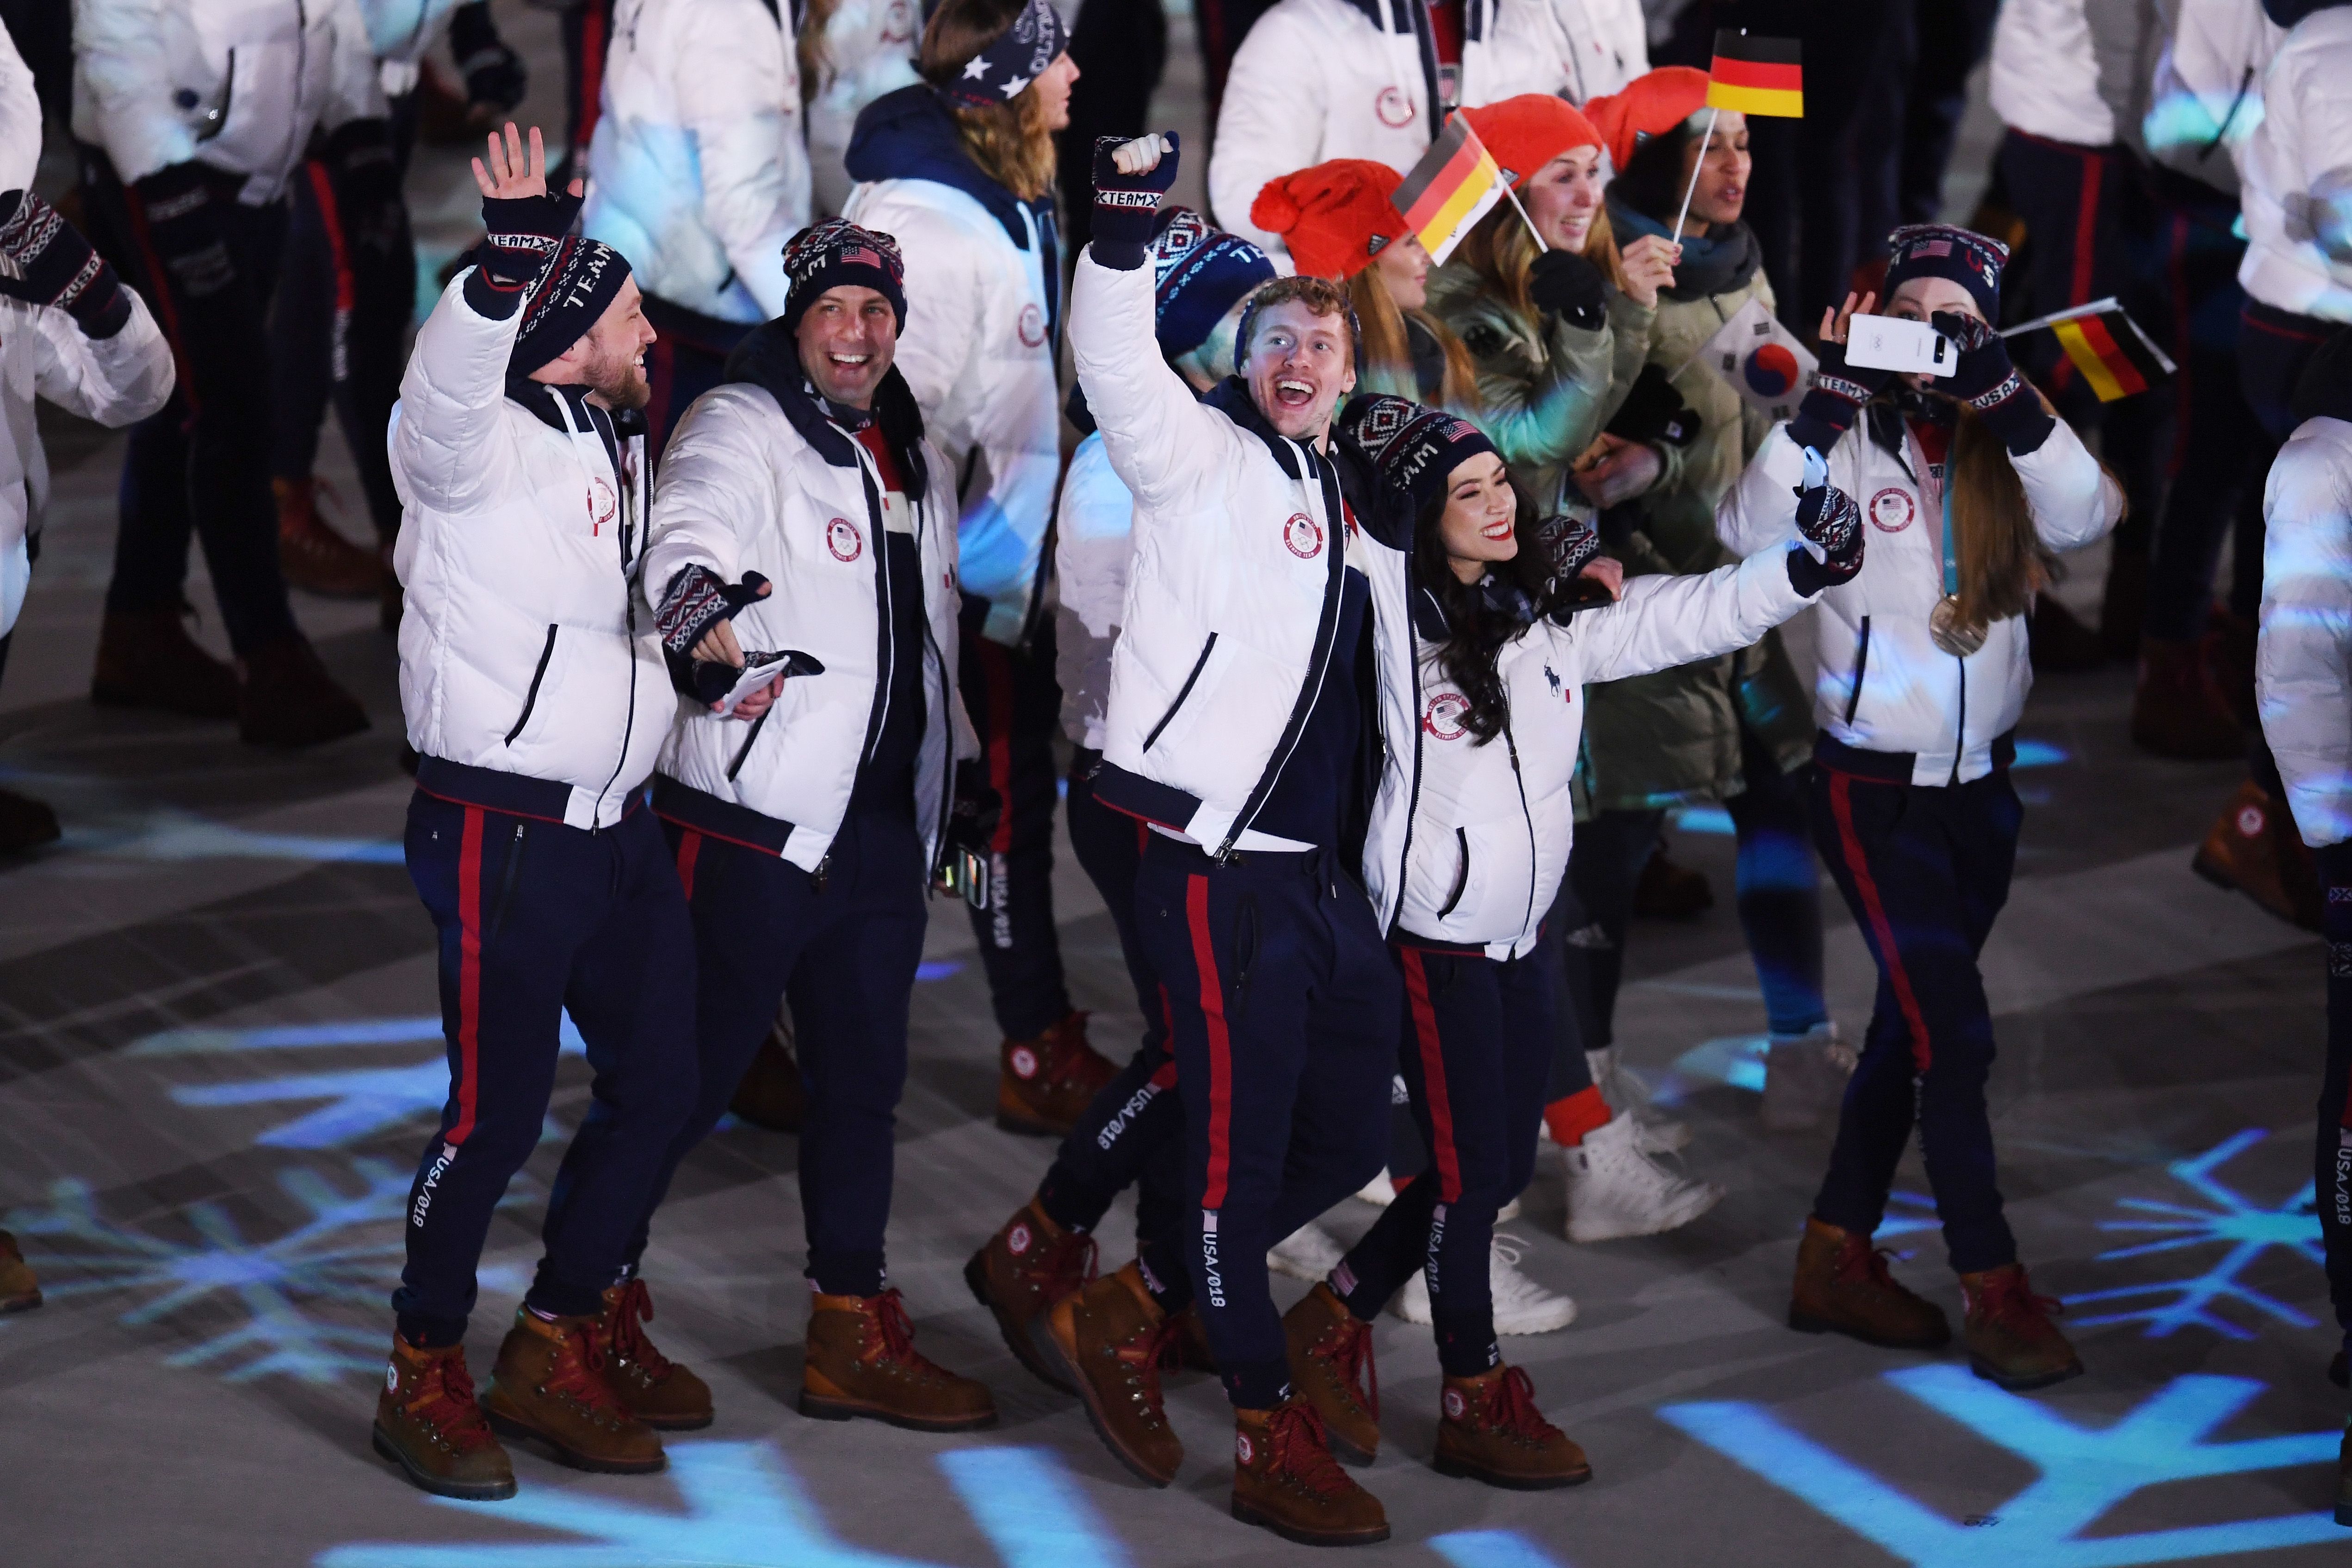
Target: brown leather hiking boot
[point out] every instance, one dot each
(1286, 1480)
(1331, 1361)
(772, 1094)
(1492, 1432)
(1027, 1266)
(311, 556)
(2179, 708)
(861, 1361)
(290, 700)
(1842, 1287)
(1193, 1351)
(148, 659)
(549, 1383)
(656, 1390)
(1112, 1338)
(2254, 849)
(20, 1290)
(428, 1423)
(1044, 1084)
(2010, 1338)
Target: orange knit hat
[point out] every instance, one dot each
(1649, 106)
(1525, 133)
(1335, 216)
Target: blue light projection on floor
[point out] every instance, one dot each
(2084, 1472)
(361, 1101)
(174, 837)
(746, 1507)
(1490, 1549)
(2247, 1230)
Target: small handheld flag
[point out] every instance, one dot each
(2112, 354)
(1453, 185)
(1761, 360)
(1756, 76)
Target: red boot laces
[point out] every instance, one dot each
(1348, 1346)
(1064, 1266)
(1856, 1258)
(578, 1374)
(1145, 1353)
(443, 1401)
(1300, 1452)
(1066, 1051)
(890, 1338)
(1511, 1409)
(2007, 1298)
(627, 1341)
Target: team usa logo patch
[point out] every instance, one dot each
(1032, 327)
(1455, 1406)
(1891, 509)
(1304, 535)
(841, 537)
(1443, 718)
(1393, 107)
(1243, 1450)
(1017, 1243)
(1023, 1062)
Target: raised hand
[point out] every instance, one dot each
(1130, 176)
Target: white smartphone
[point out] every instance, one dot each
(1890, 342)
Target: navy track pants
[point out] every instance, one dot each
(536, 919)
(2332, 1157)
(1015, 705)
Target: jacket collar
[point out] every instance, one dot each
(1357, 485)
(549, 405)
(770, 359)
(1399, 17)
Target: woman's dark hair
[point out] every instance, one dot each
(1652, 179)
(1478, 629)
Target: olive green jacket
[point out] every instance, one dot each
(1544, 390)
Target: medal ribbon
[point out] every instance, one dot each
(1951, 560)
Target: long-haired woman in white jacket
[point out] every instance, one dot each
(1503, 660)
(1969, 485)
(960, 169)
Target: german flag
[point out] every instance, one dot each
(1457, 181)
(2114, 355)
(1756, 76)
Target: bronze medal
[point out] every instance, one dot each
(1944, 628)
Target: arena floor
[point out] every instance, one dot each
(218, 1058)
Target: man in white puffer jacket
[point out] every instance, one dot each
(806, 843)
(537, 695)
(698, 176)
(1318, 80)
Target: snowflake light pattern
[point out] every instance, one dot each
(347, 1252)
(746, 1507)
(2224, 1219)
(2084, 1472)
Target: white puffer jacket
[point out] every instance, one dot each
(1493, 823)
(697, 170)
(2302, 660)
(2074, 71)
(1093, 538)
(2297, 174)
(1357, 79)
(526, 649)
(402, 33)
(1884, 686)
(236, 85)
(756, 479)
(1240, 539)
(2208, 95)
(868, 50)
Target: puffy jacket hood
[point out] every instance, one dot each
(907, 135)
(770, 359)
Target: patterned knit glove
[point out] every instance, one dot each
(1987, 382)
(57, 266)
(1826, 516)
(698, 599)
(1838, 392)
(1127, 202)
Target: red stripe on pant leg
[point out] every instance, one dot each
(1866, 887)
(1432, 1077)
(166, 316)
(2086, 237)
(330, 219)
(469, 971)
(689, 851)
(1221, 1048)
(996, 674)
(1168, 1029)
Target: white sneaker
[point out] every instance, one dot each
(1625, 1091)
(1616, 1189)
(1309, 1253)
(1380, 1192)
(1521, 1305)
(1804, 1080)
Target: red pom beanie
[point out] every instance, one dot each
(1335, 216)
(1649, 106)
(1525, 133)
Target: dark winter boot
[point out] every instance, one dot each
(861, 1361)
(312, 555)
(1491, 1431)
(1286, 1480)
(772, 1094)
(148, 660)
(1027, 1266)
(1112, 1338)
(2254, 849)
(1044, 1084)
(2010, 1338)
(1842, 1287)
(549, 1384)
(289, 700)
(19, 1291)
(2178, 709)
(1666, 891)
(658, 1392)
(426, 1423)
(1331, 1361)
